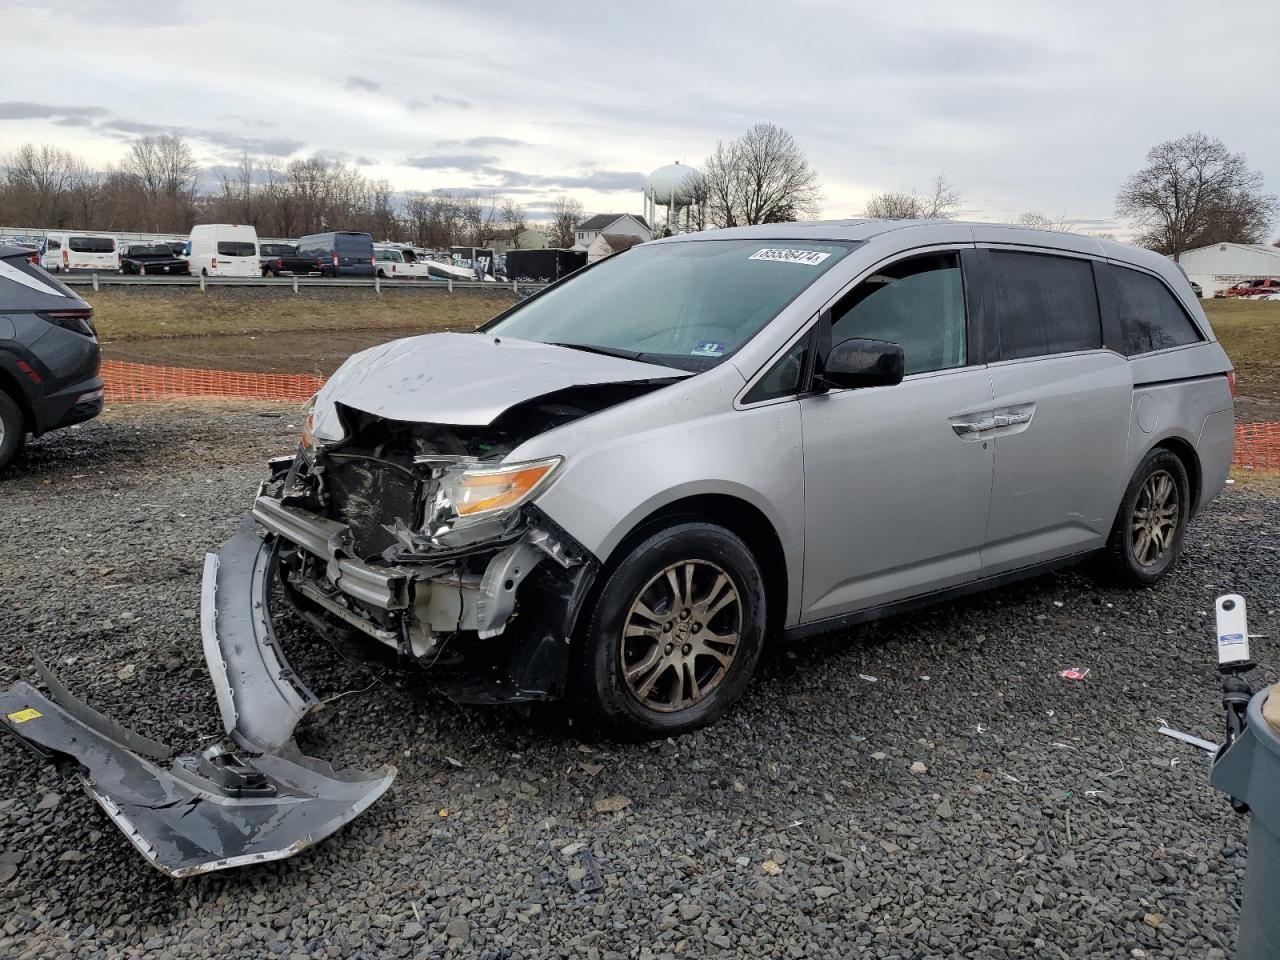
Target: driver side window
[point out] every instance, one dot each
(917, 303)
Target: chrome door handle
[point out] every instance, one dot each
(1011, 419)
(969, 427)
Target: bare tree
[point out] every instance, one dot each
(893, 205)
(566, 214)
(762, 177)
(515, 219)
(1194, 192)
(940, 203)
(165, 170)
(1040, 221)
(38, 180)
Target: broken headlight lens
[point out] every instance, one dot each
(482, 491)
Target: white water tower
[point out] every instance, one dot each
(679, 191)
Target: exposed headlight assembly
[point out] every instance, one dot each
(477, 492)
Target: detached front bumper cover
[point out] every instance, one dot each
(256, 800)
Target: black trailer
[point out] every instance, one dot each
(543, 266)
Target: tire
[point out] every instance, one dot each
(381, 275)
(1142, 557)
(13, 430)
(669, 639)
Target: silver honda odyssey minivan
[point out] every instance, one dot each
(617, 490)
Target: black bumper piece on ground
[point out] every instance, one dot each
(253, 800)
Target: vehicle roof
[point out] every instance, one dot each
(861, 230)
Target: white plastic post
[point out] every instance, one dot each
(451, 284)
(95, 282)
(295, 284)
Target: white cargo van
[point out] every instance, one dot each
(224, 250)
(68, 251)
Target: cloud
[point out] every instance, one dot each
(24, 110)
(484, 143)
(602, 180)
(436, 100)
(451, 161)
(354, 82)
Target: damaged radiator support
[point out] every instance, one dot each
(223, 807)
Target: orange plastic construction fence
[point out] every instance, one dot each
(1257, 444)
(143, 381)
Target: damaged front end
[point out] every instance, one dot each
(422, 539)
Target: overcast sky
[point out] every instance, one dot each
(1044, 106)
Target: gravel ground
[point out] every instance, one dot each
(969, 802)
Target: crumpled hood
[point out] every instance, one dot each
(463, 379)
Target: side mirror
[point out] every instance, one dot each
(857, 363)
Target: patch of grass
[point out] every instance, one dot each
(124, 316)
(1249, 330)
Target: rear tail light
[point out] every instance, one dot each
(32, 375)
(335, 259)
(77, 321)
(66, 258)
(280, 263)
(213, 263)
(1231, 382)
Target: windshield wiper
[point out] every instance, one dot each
(605, 351)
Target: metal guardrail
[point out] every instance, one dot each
(100, 280)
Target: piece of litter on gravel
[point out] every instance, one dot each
(611, 804)
(1074, 673)
(771, 868)
(453, 763)
(1188, 738)
(919, 767)
(867, 677)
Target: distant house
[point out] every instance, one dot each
(620, 224)
(526, 240)
(1222, 265)
(607, 244)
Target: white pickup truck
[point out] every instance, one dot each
(399, 263)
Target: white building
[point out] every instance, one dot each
(1222, 265)
(607, 244)
(620, 224)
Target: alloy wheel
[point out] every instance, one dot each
(1155, 518)
(681, 635)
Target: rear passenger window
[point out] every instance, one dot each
(1043, 304)
(917, 303)
(1150, 316)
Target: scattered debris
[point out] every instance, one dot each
(611, 804)
(1153, 920)
(1074, 673)
(919, 767)
(1205, 745)
(771, 868)
(867, 677)
(453, 763)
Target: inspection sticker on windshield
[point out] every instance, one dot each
(707, 348)
(810, 258)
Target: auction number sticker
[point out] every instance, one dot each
(810, 258)
(22, 716)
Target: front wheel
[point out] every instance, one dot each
(1146, 539)
(674, 636)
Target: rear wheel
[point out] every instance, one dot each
(674, 636)
(1146, 539)
(13, 430)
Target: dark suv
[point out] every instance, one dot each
(48, 354)
(342, 253)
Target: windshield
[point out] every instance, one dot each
(91, 244)
(686, 305)
(151, 250)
